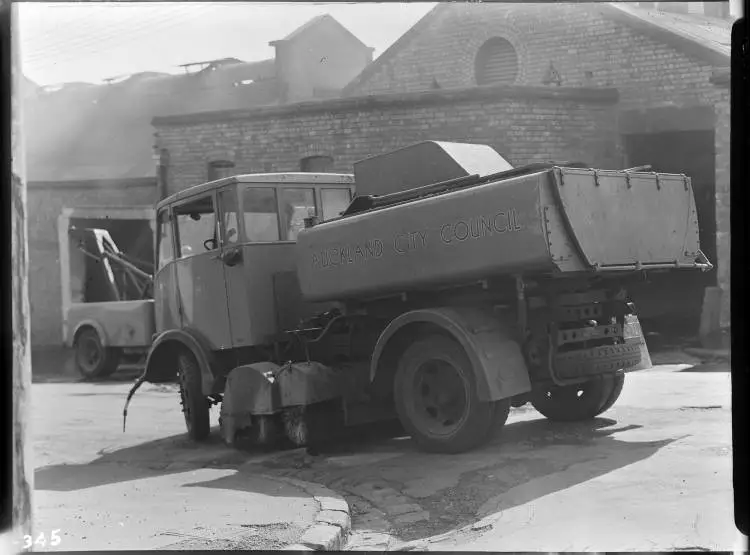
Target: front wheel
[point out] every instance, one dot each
(195, 406)
(580, 401)
(436, 397)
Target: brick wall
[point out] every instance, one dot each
(585, 47)
(524, 124)
(45, 202)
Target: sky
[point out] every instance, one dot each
(73, 42)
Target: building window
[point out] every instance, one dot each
(316, 164)
(496, 63)
(218, 169)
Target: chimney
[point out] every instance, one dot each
(283, 70)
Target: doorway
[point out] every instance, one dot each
(674, 296)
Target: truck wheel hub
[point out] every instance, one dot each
(440, 400)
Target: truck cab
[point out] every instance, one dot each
(225, 263)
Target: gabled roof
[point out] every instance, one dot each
(392, 51)
(705, 38)
(324, 19)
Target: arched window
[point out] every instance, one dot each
(496, 63)
(219, 169)
(316, 164)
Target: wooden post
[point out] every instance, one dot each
(22, 465)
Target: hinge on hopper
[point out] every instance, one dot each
(559, 173)
(685, 180)
(658, 182)
(596, 178)
(627, 180)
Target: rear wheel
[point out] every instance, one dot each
(580, 401)
(195, 406)
(436, 397)
(93, 359)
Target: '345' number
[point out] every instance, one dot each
(41, 540)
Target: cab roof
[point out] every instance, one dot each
(285, 178)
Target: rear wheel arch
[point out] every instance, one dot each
(484, 336)
(91, 325)
(391, 346)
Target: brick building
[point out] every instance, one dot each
(612, 85)
(92, 145)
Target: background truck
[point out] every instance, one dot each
(453, 287)
(107, 304)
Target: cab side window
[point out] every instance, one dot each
(296, 205)
(335, 201)
(229, 209)
(196, 227)
(260, 212)
(164, 247)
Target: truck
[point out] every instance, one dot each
(107, 304)
(451, 288)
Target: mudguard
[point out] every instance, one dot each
(88, 323)
(194, 343)
(305, 383)
(499, 365)
(250, 390)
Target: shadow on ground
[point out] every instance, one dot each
(175, 454)
(167, 455)
(532, 453)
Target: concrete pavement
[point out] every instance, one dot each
(150, 488)
(651, 474)
(183, 510)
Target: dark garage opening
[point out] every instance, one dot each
(134, 238)
(675, 300)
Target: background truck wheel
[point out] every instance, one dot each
(578, 402)
(436, 397)
(195, 407)
(92, 358)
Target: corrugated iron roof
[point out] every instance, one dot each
(711, 32)
(104, 131)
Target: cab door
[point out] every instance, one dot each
(233, 261)
(200, 270)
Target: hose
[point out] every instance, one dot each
(135, 388)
